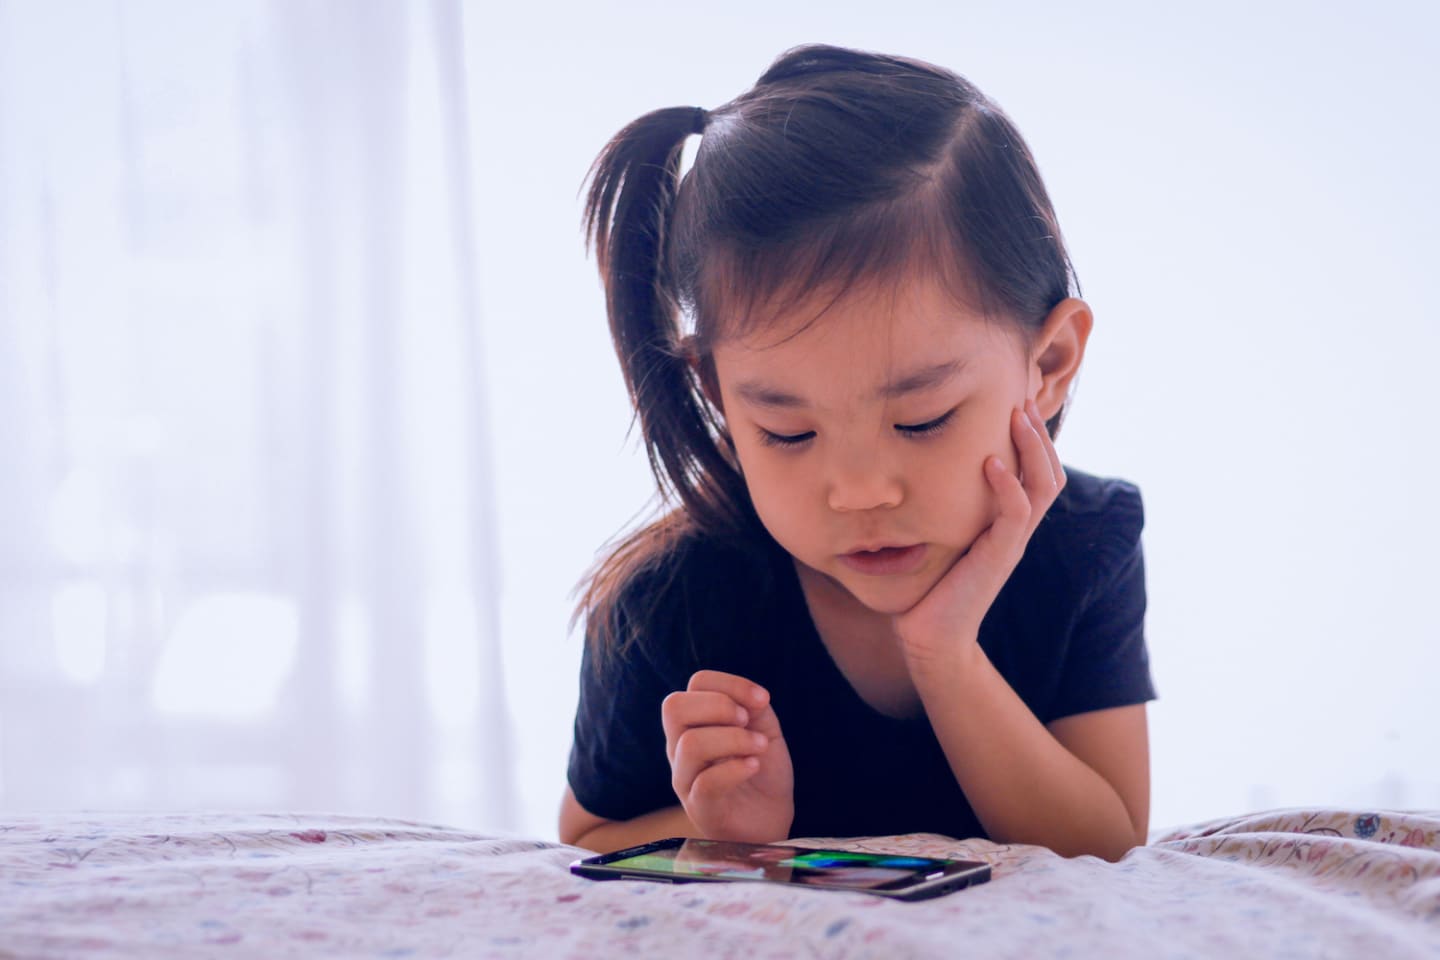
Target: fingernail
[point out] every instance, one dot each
(757, 697)
(741, 717)
(758, 739)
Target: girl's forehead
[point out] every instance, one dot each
(862, 347)
(865, 328)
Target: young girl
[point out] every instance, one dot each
(879, 604)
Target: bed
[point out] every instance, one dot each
(1285, 883)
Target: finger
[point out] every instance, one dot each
(1056, 467)
(719, 778)
(746, 693)
(1011, 528)
(1037, 468)
(700, 747)
(995, 552)
(682, 710)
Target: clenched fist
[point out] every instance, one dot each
(728, 761)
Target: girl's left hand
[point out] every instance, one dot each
(944, 625)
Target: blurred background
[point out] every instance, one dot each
(309, 421)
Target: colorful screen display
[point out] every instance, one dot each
(819, 868)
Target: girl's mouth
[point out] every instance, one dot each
(885, 562)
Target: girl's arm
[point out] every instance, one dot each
(1082, 786)
(581, 828)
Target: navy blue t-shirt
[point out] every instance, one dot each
(1066, 631)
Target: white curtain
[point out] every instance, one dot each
(246, 529)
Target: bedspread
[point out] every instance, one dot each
(1288, 883)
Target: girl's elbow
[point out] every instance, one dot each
(1118, 852)
(1141, 835)
(1112, 847)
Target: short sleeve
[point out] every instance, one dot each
(618, 768)
(1106, 661)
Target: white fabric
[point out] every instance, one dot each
(1285, 883)
(245, 509)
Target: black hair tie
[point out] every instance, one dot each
(702, 117)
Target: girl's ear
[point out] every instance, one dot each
(1056, 354)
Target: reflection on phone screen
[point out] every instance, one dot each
(718, 858)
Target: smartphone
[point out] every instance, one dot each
(687, 860)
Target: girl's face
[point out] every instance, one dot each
(862, 437)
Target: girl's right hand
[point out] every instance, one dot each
(728, 761)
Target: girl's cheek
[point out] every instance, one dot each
(975, 502)
(987, 434)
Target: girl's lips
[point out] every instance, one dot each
(887, 561)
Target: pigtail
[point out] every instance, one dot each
(627, 219)
(633, 187)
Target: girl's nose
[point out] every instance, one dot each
(863, 483)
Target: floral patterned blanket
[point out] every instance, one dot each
(1287, 883)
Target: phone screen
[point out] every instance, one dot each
(720, 859)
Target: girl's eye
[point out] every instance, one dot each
(927, 428)
(784, 440)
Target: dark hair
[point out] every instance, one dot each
(839, 167)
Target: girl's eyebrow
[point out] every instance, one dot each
(761, 394)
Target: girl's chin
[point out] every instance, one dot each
(891, 598)
(890, 604)
(888, 596)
